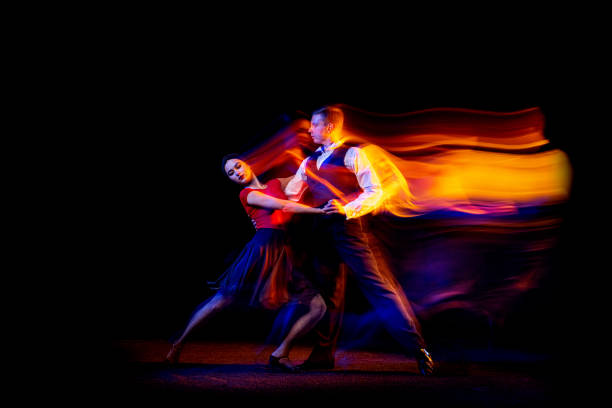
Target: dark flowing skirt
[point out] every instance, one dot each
(263, 275)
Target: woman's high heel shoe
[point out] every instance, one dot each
(173, 355)
(282, 363)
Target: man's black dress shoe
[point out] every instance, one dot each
(425, 362)
(282, 363)
(316, 365)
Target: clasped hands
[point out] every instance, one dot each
(334, 207)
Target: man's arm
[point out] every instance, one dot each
(284, 181)
(297, 185)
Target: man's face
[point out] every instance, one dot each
(320, 130)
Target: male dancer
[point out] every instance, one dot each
(341, 180)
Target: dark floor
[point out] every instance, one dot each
(223, 372)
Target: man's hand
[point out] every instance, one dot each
(334, 207)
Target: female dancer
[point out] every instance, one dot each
(262, 273)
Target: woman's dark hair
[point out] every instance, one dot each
(226, 158)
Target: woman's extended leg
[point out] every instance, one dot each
(302, 326)
(201, 314)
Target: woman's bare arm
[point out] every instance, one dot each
(260, 199)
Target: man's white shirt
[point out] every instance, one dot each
(356, 161)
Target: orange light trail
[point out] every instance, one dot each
(476, 162)
(488, 164)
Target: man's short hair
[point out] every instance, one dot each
(331, 114)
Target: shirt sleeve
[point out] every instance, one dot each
(357, 161)
(297, 185)
(243, 195)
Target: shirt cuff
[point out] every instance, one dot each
(352, 211)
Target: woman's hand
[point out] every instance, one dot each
(334, 207)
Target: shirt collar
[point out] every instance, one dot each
(331, 147)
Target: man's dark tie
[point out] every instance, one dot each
(317, 153)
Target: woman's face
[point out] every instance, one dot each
(238, 171)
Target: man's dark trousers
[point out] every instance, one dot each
(338, 241)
